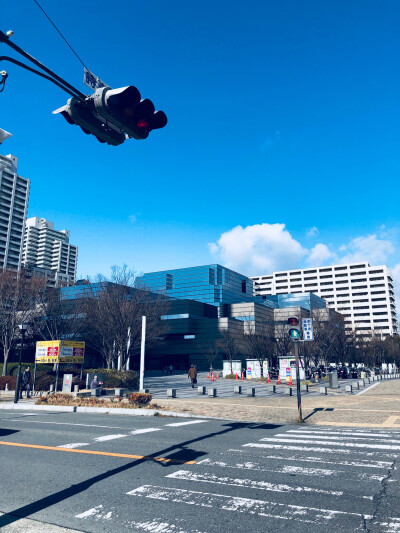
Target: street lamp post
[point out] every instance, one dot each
(23, 328)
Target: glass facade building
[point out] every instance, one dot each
(306, 300)
(212, 284)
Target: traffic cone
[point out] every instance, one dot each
(242, 375)
(212, 376)
(279, 379)
(208, 375)
(290, 380)
(216, 375)
(268, 380)
(236, 377)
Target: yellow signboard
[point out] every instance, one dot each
(60, 352)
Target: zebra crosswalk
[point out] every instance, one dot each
(303, 479)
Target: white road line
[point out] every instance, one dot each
(74, 445)
(334, 437)
(145, 430)
(95, 512)
(248, 483)
(369, 388)
(369, 463)
(109, 437)
(354, 433)
(185, 423)
(330, 443)
(289, 469)
(68, 424)
(317, 449)
(222, 502)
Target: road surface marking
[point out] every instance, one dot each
(74, 445)
(369, 388)
(222, 502)
(93, 452)
(368, 463)
(390, 421)
(97, 512)
(364, 435)
(289, 469)
(109, 437)
(66, 424)
(330, 443)
(176, 424)
(145, 430)
(248, 483)
(334, 437)
(316, 449)
(375, 425)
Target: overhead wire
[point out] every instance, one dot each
(47, 16)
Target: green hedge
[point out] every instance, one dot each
(116, 378)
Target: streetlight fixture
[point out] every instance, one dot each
(23, 327)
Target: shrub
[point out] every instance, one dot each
(139, 398)
(11, 381)
(44, 380)
(230, 376)
(117, 378)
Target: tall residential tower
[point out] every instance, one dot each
(14, 195)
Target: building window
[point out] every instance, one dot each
(340, 268)
(244, 285)
(169, 282)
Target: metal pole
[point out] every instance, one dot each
(142, 347)
(34, 378)
(16, 395)
(81, 371)
(58, 368)
(296, 353)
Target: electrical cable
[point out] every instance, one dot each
(47, 16)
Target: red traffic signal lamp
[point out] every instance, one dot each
(124, 107)
(294, 328)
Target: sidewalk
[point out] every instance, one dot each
(379, 406)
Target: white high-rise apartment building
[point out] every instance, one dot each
(363, 294)
(14, 196)
(49, 249)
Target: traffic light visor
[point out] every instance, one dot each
(293, 321)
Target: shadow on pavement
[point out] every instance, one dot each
(180, 450)
(5, 432)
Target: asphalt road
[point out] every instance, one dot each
(155, 474)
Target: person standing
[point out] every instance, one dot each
(192, 374)
(171, 367)
(26, 383)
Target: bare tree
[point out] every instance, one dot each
(18, 297)
(258, 341)
(229, 343)
(113, 312)
(211, 352)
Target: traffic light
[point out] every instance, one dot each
(124, 107)
(84, 114)
(294, 328)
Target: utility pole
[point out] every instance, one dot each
(294, 334)
(142, 347)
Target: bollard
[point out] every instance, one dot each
(323, 390)
(289, 391)
(348, 388)
(304, 387)
(237, 389)
(356, 385)
(212, 393)
(361, 383)
(201, 390)
(146, 391)
(76, 388)
(251, 391)
(52, 387)
(171, 393)
(367, 381)
(271, 388)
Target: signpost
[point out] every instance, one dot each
(294, 333)
(56, 352)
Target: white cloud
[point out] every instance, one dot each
(320, 254)
(133, 218)
(369, 248)
(258, 249)
(312, 231)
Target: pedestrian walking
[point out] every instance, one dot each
(192, 374)
(26, 383)
(171, 368)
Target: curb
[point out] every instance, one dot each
(104, 410)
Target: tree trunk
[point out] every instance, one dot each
(6, 354)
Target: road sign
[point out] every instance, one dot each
(60, 352)
(308, 334)
(92, 81)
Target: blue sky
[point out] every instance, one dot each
(282, 147)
